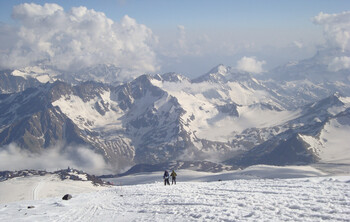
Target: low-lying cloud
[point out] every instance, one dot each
(250, 64)
(14, 158)
(80, 37)
(339, 63)
(336, 29)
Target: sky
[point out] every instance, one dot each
(157, 36)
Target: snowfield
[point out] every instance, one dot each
(40, 187)
(240, 196)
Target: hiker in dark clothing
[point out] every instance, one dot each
(166, 178)
(173, 177)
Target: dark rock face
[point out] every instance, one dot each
(65, 174)
(40, 129)
(292, 150)
(12, 84)
(67, 197)
(230, 109)
(5, 175)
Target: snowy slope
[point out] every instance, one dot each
(253, 172)
(42, 74)
(330, 144)
(217, 110)
(105, 73)
(88, 116)
(318, 134)
(306, 199)
(333, 137)
(41, 187)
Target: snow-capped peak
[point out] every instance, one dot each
(220, 69)
(172, 77)
(220, 73)
(42, 74)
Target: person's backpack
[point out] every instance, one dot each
(166, 175)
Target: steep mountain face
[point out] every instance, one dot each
(29, 120)
(224, 115)
(307, 139)
(221, 106)
(10, 83)
(282, 150)
(152, 119)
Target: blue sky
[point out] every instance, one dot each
(203, 13)
(263, 29)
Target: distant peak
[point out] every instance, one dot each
(173, 77)
(337, 94)
(220, 69)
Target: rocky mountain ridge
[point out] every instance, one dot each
(222, 116)
(64, 174)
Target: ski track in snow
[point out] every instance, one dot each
(39, 186)
(35, 191)
(307, 199)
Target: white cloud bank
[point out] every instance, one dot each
(298, 44)
(71, 40)
(339, 63)
(336, 28)
(250, 64)
(14, 158)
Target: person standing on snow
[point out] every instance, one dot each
(173, 177)
(166, 178)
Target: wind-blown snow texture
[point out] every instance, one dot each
(303, 199)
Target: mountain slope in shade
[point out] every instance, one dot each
(330, 143)
(29, 119)
(318, 135)
(10, 83)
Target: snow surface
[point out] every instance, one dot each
(42, 75)
(88, 117)
(39, 187)
(312, 198)
(330, 145)
(201, 100)
(334, 137)
(253, 172)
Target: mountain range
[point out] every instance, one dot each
(296, 114)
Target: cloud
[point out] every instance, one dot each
(339, 63)
(336, 29)
(14, 158)
(184, 43)
(298, 44)
(71, 40)
(250, 64)
(182, 37)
